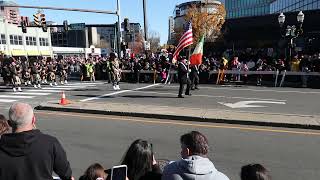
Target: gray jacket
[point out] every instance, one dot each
(192, 168)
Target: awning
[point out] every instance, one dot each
(18, 53)
(33, 53)
(45, 53)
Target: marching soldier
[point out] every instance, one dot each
(52, 68)
(35, 71)
(26, 73)
(183, 76)
(194, 75)
(115, 71)
(15, 70)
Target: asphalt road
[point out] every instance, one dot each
(283, 100)
(289, 154)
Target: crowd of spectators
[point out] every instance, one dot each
(27, 153)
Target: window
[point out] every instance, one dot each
(3, 39)
(16, 40)
(31, 41)
(44, 41)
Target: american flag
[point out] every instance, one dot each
(185, 41)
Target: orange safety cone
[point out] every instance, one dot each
(63, 100)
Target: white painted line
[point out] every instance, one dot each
(46, 91)
(7, 100)
(76, 86)
(85, 84)
(53, 88)
(118, 92)
(32, 93)
(16, 97)
(257, 90)
(209, 96)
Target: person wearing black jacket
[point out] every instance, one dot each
(27, 153)
(183, 76)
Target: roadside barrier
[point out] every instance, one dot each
(277, 74)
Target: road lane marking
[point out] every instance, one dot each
(7, 100)
(209, 96)
(257, 90)
(48, 91)
(16, 97)
(127, 119)
(54, 88)
(32, 93)
(118, 92)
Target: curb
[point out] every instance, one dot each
(180, 118)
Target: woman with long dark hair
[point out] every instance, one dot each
(4, 126)
(140, 161)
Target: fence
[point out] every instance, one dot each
(277, 75)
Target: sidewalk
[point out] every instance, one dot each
(189, 114)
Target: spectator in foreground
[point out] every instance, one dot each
(194, 164)
(94, 172)
(254, 172)
(141, 162)
(29, 154)
(4, 126)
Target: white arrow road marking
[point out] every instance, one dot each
(247, 104)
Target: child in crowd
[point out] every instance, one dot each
(254, 172)
(94, 172)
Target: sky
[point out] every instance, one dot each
(158, 12)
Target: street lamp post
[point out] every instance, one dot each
(291, 32)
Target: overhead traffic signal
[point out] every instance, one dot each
(65, 25)
(23, 26)
(43, 22)
(126, 25)
(36, 19)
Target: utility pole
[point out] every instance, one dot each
(145, 20)
(119, 29)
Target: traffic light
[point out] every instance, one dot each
(24, 26)
(126, 25)
(36, 19)
(65, 25)
(43, 22)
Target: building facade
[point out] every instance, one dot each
(181, 10)
(171, 30)
(252, 8)
(10, 14)
(15, 43)
(247, 8)
(280, 6)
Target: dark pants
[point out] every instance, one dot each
(194, 81)
(181, 88)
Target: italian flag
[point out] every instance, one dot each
(196, 57)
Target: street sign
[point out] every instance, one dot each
(78, 26)
(147, 45)
(249, 104)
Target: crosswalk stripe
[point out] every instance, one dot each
(32, 93)
(78, 86)
(53, 88)
(16, 97)
(7, 100)
(47, 91)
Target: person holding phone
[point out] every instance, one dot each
(140, 162)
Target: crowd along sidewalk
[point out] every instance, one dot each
(188, 114)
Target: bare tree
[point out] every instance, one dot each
(154, 39)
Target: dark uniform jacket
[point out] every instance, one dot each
(32, 155)
(182, 73)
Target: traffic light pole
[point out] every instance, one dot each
(119, 37)
(145, 19)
